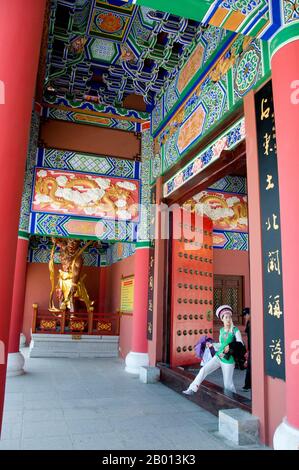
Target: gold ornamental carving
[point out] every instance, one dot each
(48, 324)
(101, 326)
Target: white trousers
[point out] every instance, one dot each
(211, 366)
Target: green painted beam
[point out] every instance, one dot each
(192, 9)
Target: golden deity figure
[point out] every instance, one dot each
(70, 285)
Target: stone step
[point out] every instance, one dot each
(49, 345)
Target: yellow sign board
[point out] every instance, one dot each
(127, 294)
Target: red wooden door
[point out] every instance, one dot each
(191, 286)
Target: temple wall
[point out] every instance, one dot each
(114, 274)
(38, 289)
(89, 139)
(234, 263)
(275, 405)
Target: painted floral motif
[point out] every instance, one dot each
(77, 45)
(291, 10)
(220, 145)
(178, 180)
(243, 129)
(197, 166)
(244, 6)
(109, 22)
(171, 96)
(247, 71)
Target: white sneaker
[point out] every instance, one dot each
(188, 392)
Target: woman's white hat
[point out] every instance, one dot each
(222, 310)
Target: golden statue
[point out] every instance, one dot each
(70, 285)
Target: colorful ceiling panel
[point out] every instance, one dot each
(109, 24)
(107, 50)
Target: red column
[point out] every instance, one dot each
(259, 401)
(15, 359)
(285, 71)
(138, 356)
(155, 347)
(21, 25)
(102, 289)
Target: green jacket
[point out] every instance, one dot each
(224, 339)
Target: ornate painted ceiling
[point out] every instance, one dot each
(107, 51)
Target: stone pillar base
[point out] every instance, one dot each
(15, 364)
(239, 426)
(22, 340)
(149, 375)
(286, 437)
(134, 361)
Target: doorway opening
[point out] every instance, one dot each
(221, 190)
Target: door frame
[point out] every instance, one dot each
(229, 161)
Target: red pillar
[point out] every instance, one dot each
(138, 356)
(15, 361)
(21, 25)
(259, 398)
(285, 71)
(155, 347)
(102, 290)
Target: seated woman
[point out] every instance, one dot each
(228, 334)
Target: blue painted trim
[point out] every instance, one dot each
(276, 12)
(254, 20)
(275, 19)
(86, 105)
(45, 112)
(32, 222)
(132, 46)
(210, 13)
(72, 154)
(224, 191)
(137, 168)
(91, 14)
(40, 156)
(230, 231)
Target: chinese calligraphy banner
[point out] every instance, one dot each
(271, 237)
(150, 294)
(150, 315)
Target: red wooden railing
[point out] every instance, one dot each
(102, 324)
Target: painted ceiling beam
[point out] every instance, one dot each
(191, 9)
(260, 18)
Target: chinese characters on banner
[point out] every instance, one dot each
(271, 237)
(151, 273)
(150, 294)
